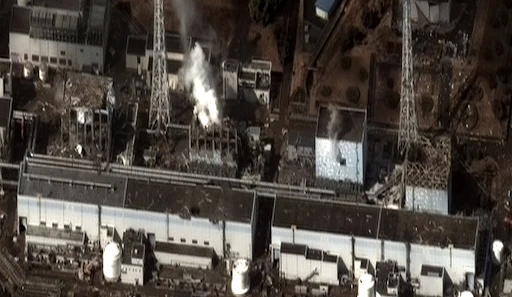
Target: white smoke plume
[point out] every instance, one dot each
(333, 129)
(186, 12)
(334, 122)
(197, 78)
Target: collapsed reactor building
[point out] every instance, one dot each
(90, 210)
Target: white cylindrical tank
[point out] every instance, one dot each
(240, 283)
(112, 262)
(466, 294)
(27, 70)
(366, 286)
(498, 250)
(43, 72)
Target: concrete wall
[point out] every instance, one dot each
(327, 165)
(38, 210)
(298, 267)
(457, 262)
(431, 286)
(132, 274)
(183, 260)
(79, 54)
(131, 61)
(427, 200)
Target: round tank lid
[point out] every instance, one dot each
(112, 249)
(366, 278)
(241, 265)
(466, 294)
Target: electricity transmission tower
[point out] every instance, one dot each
(160, 109)
(408, 128)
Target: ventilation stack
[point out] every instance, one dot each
(240, 283)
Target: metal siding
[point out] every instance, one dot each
(131, 62)
(19, 43)
(426, 200)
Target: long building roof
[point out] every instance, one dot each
(135, 192)
(368, 221)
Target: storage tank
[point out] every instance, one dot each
(366, 286)
(43, 72)
(112, 262)
(240, 283)
(27, 70)
(498, 250)
(466, 294)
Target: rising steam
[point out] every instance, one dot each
(186, 12)
(333, 130)
(196, 71)
(197, 77)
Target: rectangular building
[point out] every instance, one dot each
(83, 199)
(362, 232)
(188, 255)
(63, 34)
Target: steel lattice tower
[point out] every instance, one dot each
(160, 109)
(408, 129)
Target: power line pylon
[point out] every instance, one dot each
(160, 109)
(408, 127)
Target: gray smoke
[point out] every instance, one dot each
(186, 12)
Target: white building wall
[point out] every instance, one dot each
(427, 200)
(340, 245)
(131, 61)
(239, 237)
(455, 261)
(327, 165)
(183, 260)
(431, 286)
(132, 274)
(79, 54)
(51, 241)
(19, 45)
(151, 222)
(196, 229)
(50, 211)
(322, 13)
(396, 251)
(368, 249)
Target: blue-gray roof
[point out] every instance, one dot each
(326, 5)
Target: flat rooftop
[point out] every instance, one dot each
(136, 45)
(5, 111)
(200, 201)
(135, 192)
(184, 249)
(74, 185)
(373, 222)
(60, 4)
(20, 20)
(172, 43)
(329, 217)
(345, 123)
(428, 229)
